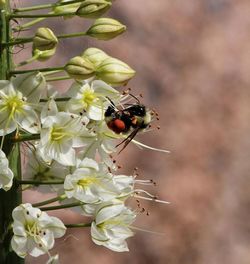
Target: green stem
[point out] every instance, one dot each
(11, 199)
(63, 206)
(41, 15)
(51, 72)
(59, 78)
(19, 41)
(29, 24)
(62, 99)
(39, 182)
(73, 35)
(27, 61)
(78, 225)
(25, 137)
(46, 6)
(39, 69)
(49, 201)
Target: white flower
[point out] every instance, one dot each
(34, 231)
(6, 174)
(15, 111)
(89, 183)
(37, 170)
(112, 226)
(104, 144)
(31, 85)
(60, 134)
(91, 98)
(125, 184)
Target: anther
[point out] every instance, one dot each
(142, 210)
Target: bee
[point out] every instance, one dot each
(128, 121)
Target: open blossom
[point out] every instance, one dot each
(89, 183)
(60, 134)
(37, 170)
(15, 111)
(103, 145)
(91, 98)
(111, 227)
(34, 231)
(6, 174)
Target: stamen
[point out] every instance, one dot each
(151, 199)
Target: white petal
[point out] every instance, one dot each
(107, 211)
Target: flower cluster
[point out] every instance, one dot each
(69, 140)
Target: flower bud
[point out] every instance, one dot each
(93, 8)
(105, 29)
(114, 72)
(94, 55)
(31, 85)
(2, 3)
(80, 68)
(70, 8)
(44, 39)
(43, 55)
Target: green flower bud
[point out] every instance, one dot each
(44, 39)
(31, 84)
(93, 8)
(94, 55)
(70, 8)
(105, 29)
(2, 3)
(43, 55)
(80, 68)
(114, 72)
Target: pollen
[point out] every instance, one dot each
(14, 103)
(85, 182)
(88, 97)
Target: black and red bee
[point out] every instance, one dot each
(129, 120)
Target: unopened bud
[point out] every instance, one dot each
(94, 55)
(43, 55)
(44, 39)
(80, 68)
(31, 85)
(114, 72)
(105, 29)
(2, 3)
(93, 8)
(70, 8)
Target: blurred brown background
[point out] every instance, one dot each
(193, 61)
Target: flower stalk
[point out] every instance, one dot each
(49, 201)
(8, 200)
(45, 6)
